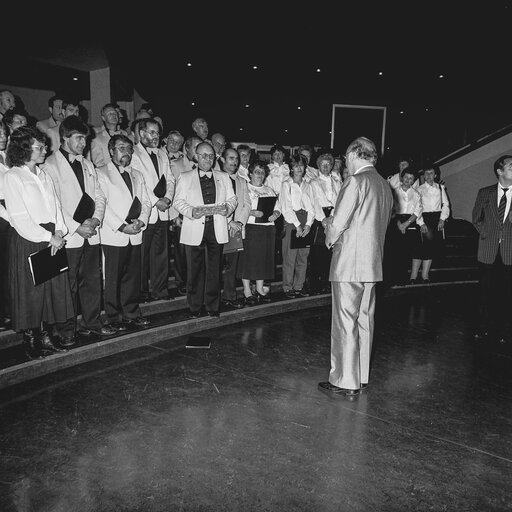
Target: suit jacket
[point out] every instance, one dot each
(99, 154)
(46, 124)
(54, 136)
(243, 203)
(486, 222)
(189, 195)
(69, 193)
(360, 219)
(143, 163)
(119, 201)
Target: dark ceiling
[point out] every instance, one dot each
(387, 55)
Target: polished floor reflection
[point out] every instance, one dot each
(242, 426)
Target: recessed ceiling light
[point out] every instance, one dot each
(75, 78)
(318, 70)
(189, 64)
(401, 111)
(286, 130)
(255, 67)
(380, 73)
(241, 129)
(441, 76)
(298, 108)
(193, 103)
(247, 105)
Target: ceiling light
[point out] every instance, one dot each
(189, 64)
(318, 70)
(255, 67)
(75, 78)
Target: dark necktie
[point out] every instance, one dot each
(154, 159)
(128, 181)
(76, 165)
(503, 205)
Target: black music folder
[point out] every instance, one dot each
(161, 187)
(84, 209)
(44, 266)
(198, 342)
(266, 205)
(303, 241)
(234, 244)
(135, 210)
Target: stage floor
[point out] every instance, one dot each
(242, 427)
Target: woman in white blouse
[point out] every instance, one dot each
(35, 215)
(404, 231)
(5, 300)
(436, 210)
(299, 214)
(256, 261)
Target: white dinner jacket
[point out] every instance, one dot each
(119, 201)
(189, 195)
(143, 163)
(69, 193)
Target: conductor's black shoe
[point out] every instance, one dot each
(331, 389)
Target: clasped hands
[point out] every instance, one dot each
(56, 242)
(211, 209)
(88, 228)
(134, 227)
(303, 231)
(258, 214)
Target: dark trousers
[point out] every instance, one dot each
(319, 266)
(496, 295)
(5, 299)
(203, 269)
(229, 275)
(155, 261)
(180, 258)
(122, 282)
(85, 281)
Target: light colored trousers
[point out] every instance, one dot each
(295, 262)
(353, 308)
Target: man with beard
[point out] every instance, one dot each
(121, 240)
(236, 223)
(153, 163)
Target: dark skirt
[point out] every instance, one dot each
(48, 302)
(430, 243)
(257, 259)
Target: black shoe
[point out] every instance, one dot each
(194, 314)
(263, 298)
(329, 388)
(214, 314)
(232, 303)
(413, 281)
(67, 341)
(301, 293)
(32, 344)
(290, 294)
(140, 321)
(182, 290)
(426, 280)
(48, 345)
(119, 326)
(250, 301)
(145, 298)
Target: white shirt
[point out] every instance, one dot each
(311, 173)
(296, 197)
(394, 181)
(31, 200)
(509, 196)
(325, 192)
(243, 173)
(408, 201)
(278, 174)
(255, 193)
(433, 199)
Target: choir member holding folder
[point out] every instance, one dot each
(257, 259)
(35, 214)
(126, 216)
(83, 207)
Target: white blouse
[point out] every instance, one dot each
(3, 172)
(31, 200)
(325, 192)
(434, 199)
(408, 201)
(278, 174)
(255, 193)
(296, 197)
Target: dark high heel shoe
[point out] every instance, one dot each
(32, 343)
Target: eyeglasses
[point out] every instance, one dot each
(206, 156)
(153, 133)
(124, 149)
(40, 148)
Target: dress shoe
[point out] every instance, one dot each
(67, 341)
(251, 301)
(32, 344)
(213, 314)
(140, 321)
(331, 389)
(194, 314)
(426, 280)
(262, 298)
(182, 290)
(290, 294)
(232, 303)
(107, 330)
(413, 282)
(119, 326)
(48, 344)
(301, 293)
(145, 298)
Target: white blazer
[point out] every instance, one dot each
(189, 195)
(69, 193)
(119, 201)
(143, 163)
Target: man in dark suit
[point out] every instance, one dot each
(355, 231)
(492, 220)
